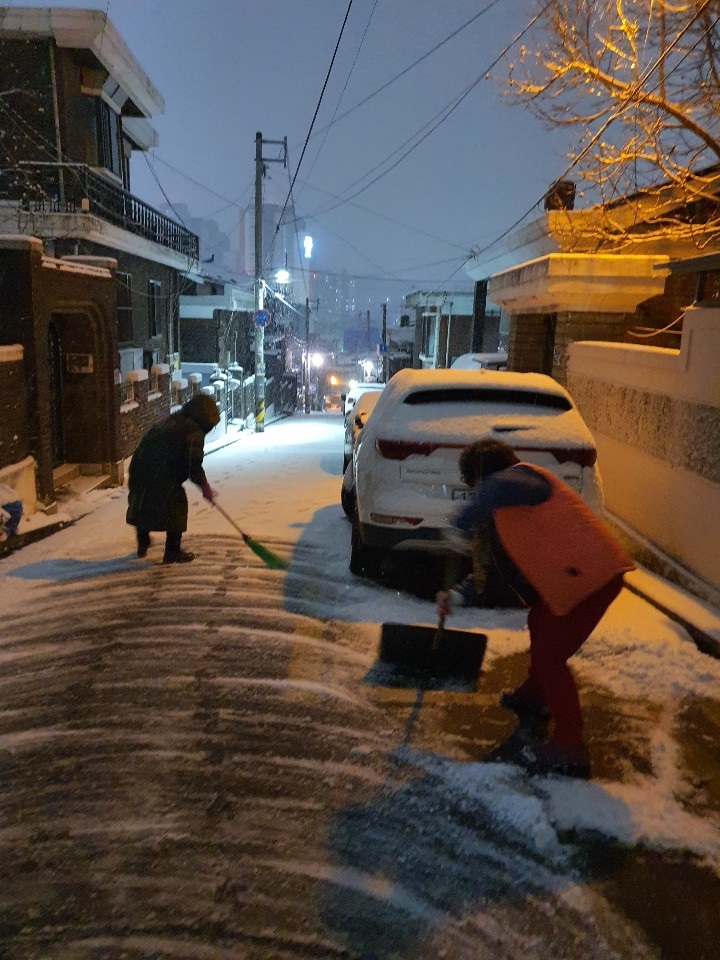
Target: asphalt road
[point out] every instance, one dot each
(190, 769)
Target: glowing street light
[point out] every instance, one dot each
(282, 276)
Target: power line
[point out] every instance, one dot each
(347, 81)
(317, 109)
(412, 66)
(443, 115)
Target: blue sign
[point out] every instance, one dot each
(262, 318)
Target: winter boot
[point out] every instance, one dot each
(565, 761)
(178, 556)
(511, 700)
(143, 543)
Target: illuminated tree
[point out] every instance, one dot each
(640, 82)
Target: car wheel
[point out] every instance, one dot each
(364, 560)
(347, 501)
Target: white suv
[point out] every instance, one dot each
(406, 471)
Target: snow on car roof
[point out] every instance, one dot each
(519, 425)
(410, 379)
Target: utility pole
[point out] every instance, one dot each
(307, 355)
(260, 162)
(384, 343)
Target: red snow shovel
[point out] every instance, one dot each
(270, 559)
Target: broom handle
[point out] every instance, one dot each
(230, 519)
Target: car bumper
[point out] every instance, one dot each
(425, 539)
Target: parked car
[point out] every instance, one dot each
(350, 398)
(355, 420)
(406, 471)
(480, 361)
(354, 423)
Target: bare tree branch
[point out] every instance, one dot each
(641, 81)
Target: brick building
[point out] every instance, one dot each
(93, 299)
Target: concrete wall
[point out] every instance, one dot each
(655, 414)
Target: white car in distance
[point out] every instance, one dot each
(350, 398)
(407, 480)
(354, 424)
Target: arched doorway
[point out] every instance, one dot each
(80, 404)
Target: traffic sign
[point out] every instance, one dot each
(262, 318)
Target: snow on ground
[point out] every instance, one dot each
(283, 485)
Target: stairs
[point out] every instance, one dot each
(70, 481)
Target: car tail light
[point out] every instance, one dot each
(391, 520)
(401, 449)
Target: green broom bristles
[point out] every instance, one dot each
(270, 559)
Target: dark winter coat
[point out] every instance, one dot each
(170, 453)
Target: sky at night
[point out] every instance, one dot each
(417, 119)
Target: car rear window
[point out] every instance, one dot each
(525, 398)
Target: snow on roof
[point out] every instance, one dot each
(476, 361)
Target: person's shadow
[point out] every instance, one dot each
(68, 568)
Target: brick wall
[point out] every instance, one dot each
(14, 434)
(145, 409)
(539, 343)
(571, 327)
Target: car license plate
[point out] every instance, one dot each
(463, 494)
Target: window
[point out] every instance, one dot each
(107, 124)
(505, 396)
(123, 283)
(154, 308)
(429, 335)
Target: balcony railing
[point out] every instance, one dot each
(76, 188)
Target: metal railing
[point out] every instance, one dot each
(77, 188)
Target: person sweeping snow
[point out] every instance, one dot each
(563, 563)
(170, 453)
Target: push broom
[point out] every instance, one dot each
(268, 557)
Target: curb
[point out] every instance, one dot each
(40, 533)
(705, 642)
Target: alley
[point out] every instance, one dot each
(199, 761)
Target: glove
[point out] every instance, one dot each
(443, 604)
(208, 492)
(446, 601)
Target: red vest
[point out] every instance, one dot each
(560, 546)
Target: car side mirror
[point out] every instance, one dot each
(343, 397)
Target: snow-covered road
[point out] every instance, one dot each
(195, 761)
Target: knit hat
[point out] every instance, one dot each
(203, 410)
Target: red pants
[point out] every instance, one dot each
(553, 640)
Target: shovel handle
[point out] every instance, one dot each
(440, 630)
(229, 519)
